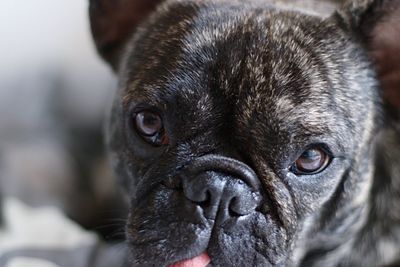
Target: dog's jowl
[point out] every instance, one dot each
(256, 132)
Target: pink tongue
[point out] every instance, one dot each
(198, 261)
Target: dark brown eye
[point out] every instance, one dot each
(149, 125)
(312, 161)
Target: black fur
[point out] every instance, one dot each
(259, 82)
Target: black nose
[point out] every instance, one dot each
(222, 187)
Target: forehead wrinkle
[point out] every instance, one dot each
(295, 44)
(284, 108)
(281, 46)
(315, 55)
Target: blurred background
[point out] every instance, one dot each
(54, 93)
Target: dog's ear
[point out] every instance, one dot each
(377, 24)
(113, 22)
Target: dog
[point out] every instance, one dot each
(256, 132)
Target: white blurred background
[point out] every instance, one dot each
(54, 92)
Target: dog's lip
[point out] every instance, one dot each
(201, 260)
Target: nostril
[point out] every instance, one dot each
(206, 203)
(240, 201)
(231, 208)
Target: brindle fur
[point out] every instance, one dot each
(258, 81)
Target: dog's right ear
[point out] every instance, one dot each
(113, 22)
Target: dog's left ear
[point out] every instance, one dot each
(114, 21)
(377, 24)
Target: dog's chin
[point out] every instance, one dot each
(166, 229)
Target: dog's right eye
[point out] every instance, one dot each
(149, 126)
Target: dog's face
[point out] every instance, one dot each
(241, 131)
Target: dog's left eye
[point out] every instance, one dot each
(149, 126)
(311, 161)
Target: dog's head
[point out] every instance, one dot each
(243, 129)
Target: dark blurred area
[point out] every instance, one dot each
(54, 93)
